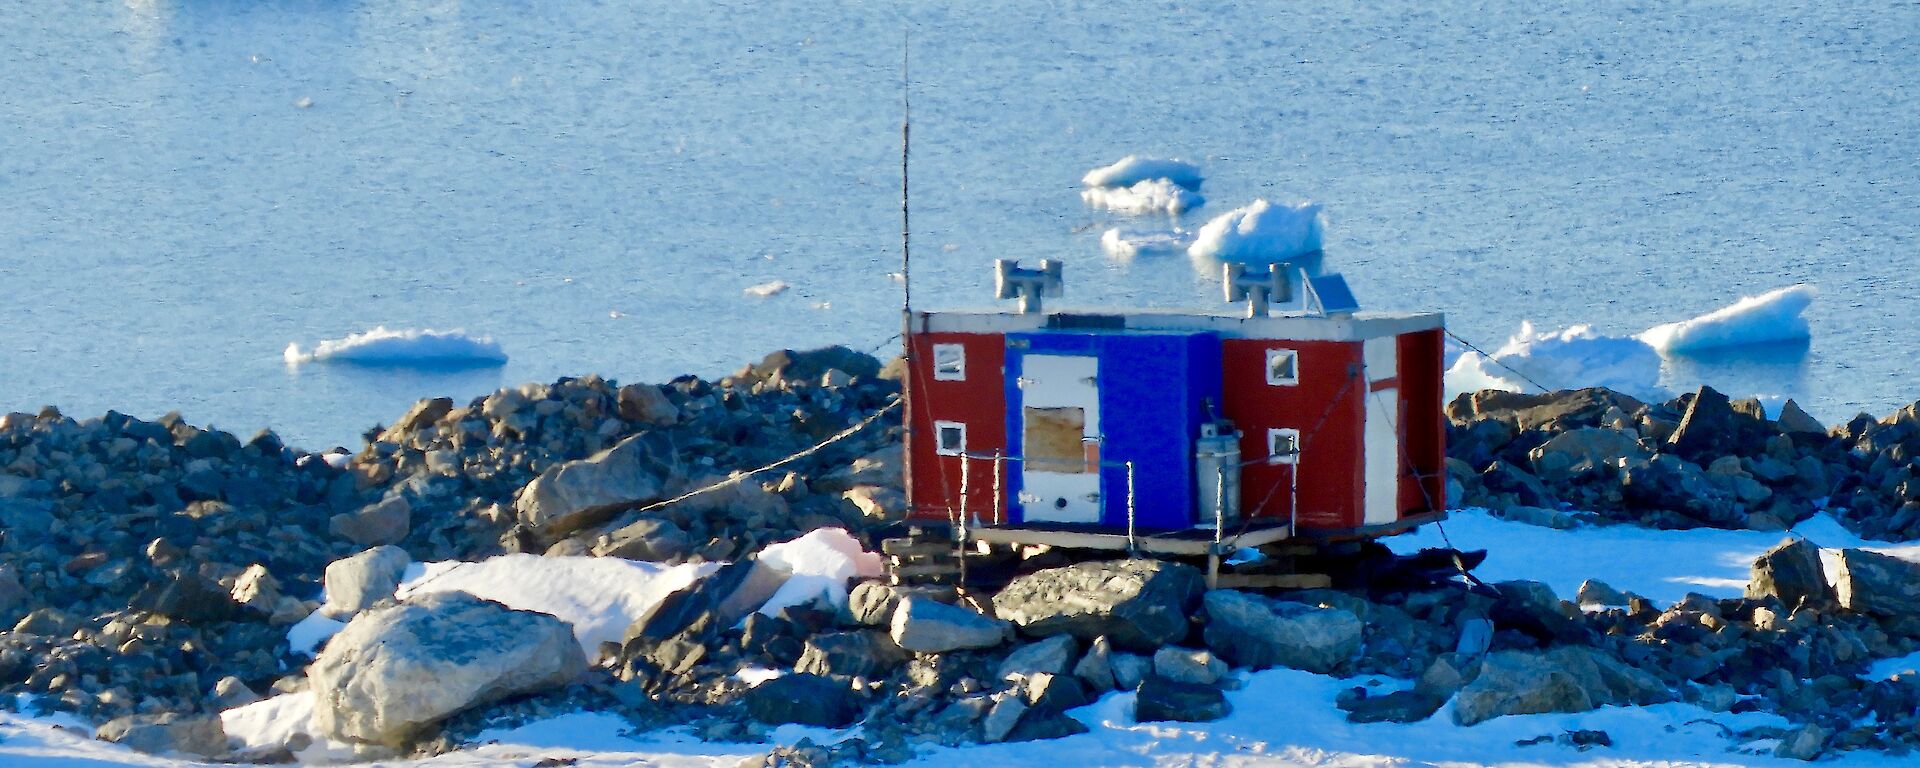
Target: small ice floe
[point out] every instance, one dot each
(1261, 232)
(1571, 358)
(1774, 317)
(1144, 185)
(1122, 243)
(766, 289)
(303, 102)
(409, 347)
(1150, 196)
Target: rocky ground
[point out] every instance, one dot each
(150, 572)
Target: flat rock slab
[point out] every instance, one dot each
(1136, 604)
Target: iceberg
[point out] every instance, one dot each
(1771, 317)
(1133, 169)
(1261, 232)
(1149, 196)
(1571, 358)
(382, 346)
(771, 288)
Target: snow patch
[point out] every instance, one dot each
(599, 596)
(1571, 358)
(769, 288)
(306, 636)
(382, 346)
(271, 723)
(1261, 232)
(1127, 243)
(1771, 317)
(1133, 169)
(821, 563)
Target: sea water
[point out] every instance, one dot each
(189, 186)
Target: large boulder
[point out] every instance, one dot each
(384, 522)
(1877, 584)
(1581, 451)
(1791, 572)
(1254, 631)
(393, 672)
(1551, 412)
(1563, 679)
(166, 734)
(1137, 604)
(805, 699)
(1713, 427)
(354, 584)
(647, 404)
(577, 494)
(861, 653)
(923, 625)
(644, 539)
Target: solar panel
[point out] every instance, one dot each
(1332, 294)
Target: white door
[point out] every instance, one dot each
(1383, 456)
(1060, 439)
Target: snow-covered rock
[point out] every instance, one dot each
(1571, 358)
(412, 346)
(819, 564)
(598, 596)
(1261, 232)
(1771, 317)
(395, 671)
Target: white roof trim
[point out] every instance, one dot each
(1356, 327)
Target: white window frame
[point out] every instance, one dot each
(1283, 381)
(958, 357)
(1274, 436)
(939, 431)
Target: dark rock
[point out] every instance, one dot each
(1409, 706)
(1791, 572)
(1161, 700)
(1257, 632)
(1564, 679)
(1711, 428)
(1057, 693)
(1550, 412)
(1038, 724)
(1139, 604)
(812, 364)
(191, 597)
(804, 699)
(865, 653)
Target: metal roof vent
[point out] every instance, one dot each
(1027, 285)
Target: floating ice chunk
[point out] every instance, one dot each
(382, 346)
(821, 563)
(1128, 243)
(1261, 232)
(770, 288)
(1567, 359)
(1774, 316)
(1134, 169)
(1150, 196)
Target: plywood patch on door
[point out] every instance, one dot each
(1053, 439)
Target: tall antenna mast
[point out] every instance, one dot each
(906, 146)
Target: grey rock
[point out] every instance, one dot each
(1162, 700)
(1803, 743)
(923, 625)
(1791, 571)
(871, 603)
(230, 692)
(1563, 679)
(12, 595)
(1597, 592)
(166, 734)
(1000, 720)
(393, 672)
(1253, 631)
(645, 539)
(188, 596)
(645, 403)
(805, 699)
(877, 504)
(1056, 693)
(354, 584)
(1038, 724)
(1129, 670)
(1409, 706)
(1540, 516)
(1137, 604)
(256, 588)
(48, 622)
(1051, 656)
(1877, 584)
(1582, 451)
(880, 468)
(864, 653)
(384, 522)
(423, 414)
(577, 494)
(1185, 665)
(1095, 668)
(1794, 419)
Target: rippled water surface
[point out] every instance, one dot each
(186, 186)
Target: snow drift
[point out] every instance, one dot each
(1133, 169)
(1261, 232)
(1128, 243)
(382, 346)
(1771, 317)
(599, 596)
(1566, 359)
(820, 562)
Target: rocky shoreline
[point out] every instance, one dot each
(151, 571)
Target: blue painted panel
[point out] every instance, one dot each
(1154, 390)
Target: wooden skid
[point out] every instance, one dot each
(1160, 544)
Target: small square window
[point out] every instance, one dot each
(1283, 367)
(950, 438)
(949, 362)
(1283, 446)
